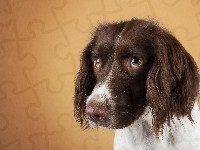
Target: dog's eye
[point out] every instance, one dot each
(135, 62)
(97, 63)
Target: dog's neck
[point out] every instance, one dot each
(139, 135)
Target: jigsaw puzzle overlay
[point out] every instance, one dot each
(40, 47)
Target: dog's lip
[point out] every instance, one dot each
(95, 121)
(107, 125)
(101, 125)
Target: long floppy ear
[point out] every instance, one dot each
(84, 84)
(173, 81)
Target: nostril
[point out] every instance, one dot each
(95, 112)
(96, 117)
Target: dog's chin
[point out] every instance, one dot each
(108, 125)
(92, 124)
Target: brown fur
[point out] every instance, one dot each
(168, 81)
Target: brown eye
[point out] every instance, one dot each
(135, 62)
(97, 63)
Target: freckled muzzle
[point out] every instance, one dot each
(109, 109)
(97, 105)
(109, 117)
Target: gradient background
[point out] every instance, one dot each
(40, 46)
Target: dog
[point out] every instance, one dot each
(137, 78)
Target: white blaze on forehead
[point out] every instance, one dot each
(99, 94)
(119, 37)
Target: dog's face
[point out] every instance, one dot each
(121, 67)
(128, 66)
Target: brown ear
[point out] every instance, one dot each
(173, 81)
(84, 84)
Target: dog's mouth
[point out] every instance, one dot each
(117, 118)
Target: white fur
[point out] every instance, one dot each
(182, 135)
(100, 94)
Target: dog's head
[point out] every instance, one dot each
(130, 65)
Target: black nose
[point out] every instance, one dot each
(95, 112)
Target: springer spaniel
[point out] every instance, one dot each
(137, 78)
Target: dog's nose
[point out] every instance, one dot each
(95, 112)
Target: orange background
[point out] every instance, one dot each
(40, 46)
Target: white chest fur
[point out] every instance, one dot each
(181, 135)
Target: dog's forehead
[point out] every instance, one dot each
(130, 36)
(107, 35)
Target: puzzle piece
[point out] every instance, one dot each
(165, 15)
(195, 2)
(38, 141)
(66, 123)
(129, 7)
(7, 32)
(88, 139)
(44, 109)
(5, 11)
(100, 140)
(20, 11)
(48, 56)
(170, 3)
(12, 58)
(16, 128)
(74, 47)
(5, 7)
(13, 145)
(71, 12)
(183, 30)
(46, 104)
(110, 7)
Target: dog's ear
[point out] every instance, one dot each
(173, 81)
(84, 84)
